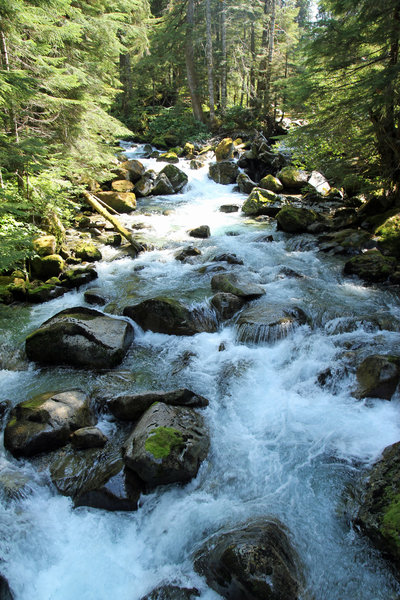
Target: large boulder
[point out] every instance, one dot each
(134, 168)
(238, 285)
(269, 182)
(244, 183)
(346, 241)
(224, 172)
(47, 266)
(176, 177)
(131, 407)
(122, 202)
(122, 185)
(74, 278)
(371, 266)
(144, 187)
(81, 337)
(167, 445)
(378, 376)
(45, 245)
(226, 305)
(162, 186)
(295, 220)
(263, 202)
(253, 562)
(87, 251)
(269, 323)
(293, 178)
(165, 315)
(319, 183)
(224, 150)
(379, 513)
(45, 422)
(96, 478)
(389, 236)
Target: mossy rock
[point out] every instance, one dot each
(224, 150)
(43, 292)
(162, 186)
(352, 184)
(245, 184)
(47, 266)
(176, 177)
(162, 440)
(293, 178)
(45, 245)
(74, 278)
(371, 266)
(131, 169)
(378, 376)
(224, 172)
(295, 220)
(379, 514)
(389, 236)
(188, 150)
(269, 182)
(122, 185)
(169, 157)
(87, 252)
(122, 202)
(262, 202)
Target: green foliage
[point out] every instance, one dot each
(169, 126)
(16, 239)
(162, 441)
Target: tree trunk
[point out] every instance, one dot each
(190, 64)
(6, 64)
(125, 71)
(210, 68)
(252, 76)
(271, 46)
(262, 69)
(224, 58)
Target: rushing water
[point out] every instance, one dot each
(281, 444)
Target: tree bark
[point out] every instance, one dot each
(271, 46)
(190, 64)
(125, 71)
(210, 67)
(224, 58)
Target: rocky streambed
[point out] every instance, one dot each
(203, 418)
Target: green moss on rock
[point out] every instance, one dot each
(88, 252)
(162, 441)
(262, 202)
(389, 236)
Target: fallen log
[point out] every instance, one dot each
(94, 203)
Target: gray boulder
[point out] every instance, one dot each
(88, 437)
(162, 186)
(176, 177)
(238, 285)
(134, 168)
(268, 323)
(254, 562)
(202, 232)
(131, 407)
(244, 183)
(81, 337)
(224, 172)
(45, 422)
(167, 445)
(378, 376)
(166, 315)
(144, 187)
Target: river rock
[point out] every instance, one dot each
(176, 177)
(268, 323)
(245, 184)
(226, 305)
(5, 590)
(389, 236)
(269, 182)
(122, 185)
(88, 437)
(45, 245)
(134, 168)
(144, 187)
(167, 445)
(319, 183)
(47, 266)
(162, 186)
(378, 376)
(88, 252)
(74, 278)
(224, 172)
(94, 296)
(188, 252)
(202, 232)
(231, 259)
(224, 150)
(371, 266)
(131, 407)
(171, 592)
(229, 208)
(293, 178)
(296, 220)
(346, 241)
(165, 315)
(263, 202)
(254, 562)
(96, 478)
(45, 422)
(238, 285)
(81, 337)
(378, 515)
(122, 202)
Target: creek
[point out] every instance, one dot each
(281, 443)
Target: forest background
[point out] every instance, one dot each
(78, 75)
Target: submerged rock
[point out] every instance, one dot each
(379, 514)
(371, 266)
(268, 323)
(167, 445)
(171, 592)
(254, 562)
(45, 422)
(80, 337)
(165, 315)
(238, 285)
(229, 208)
(378, 376)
